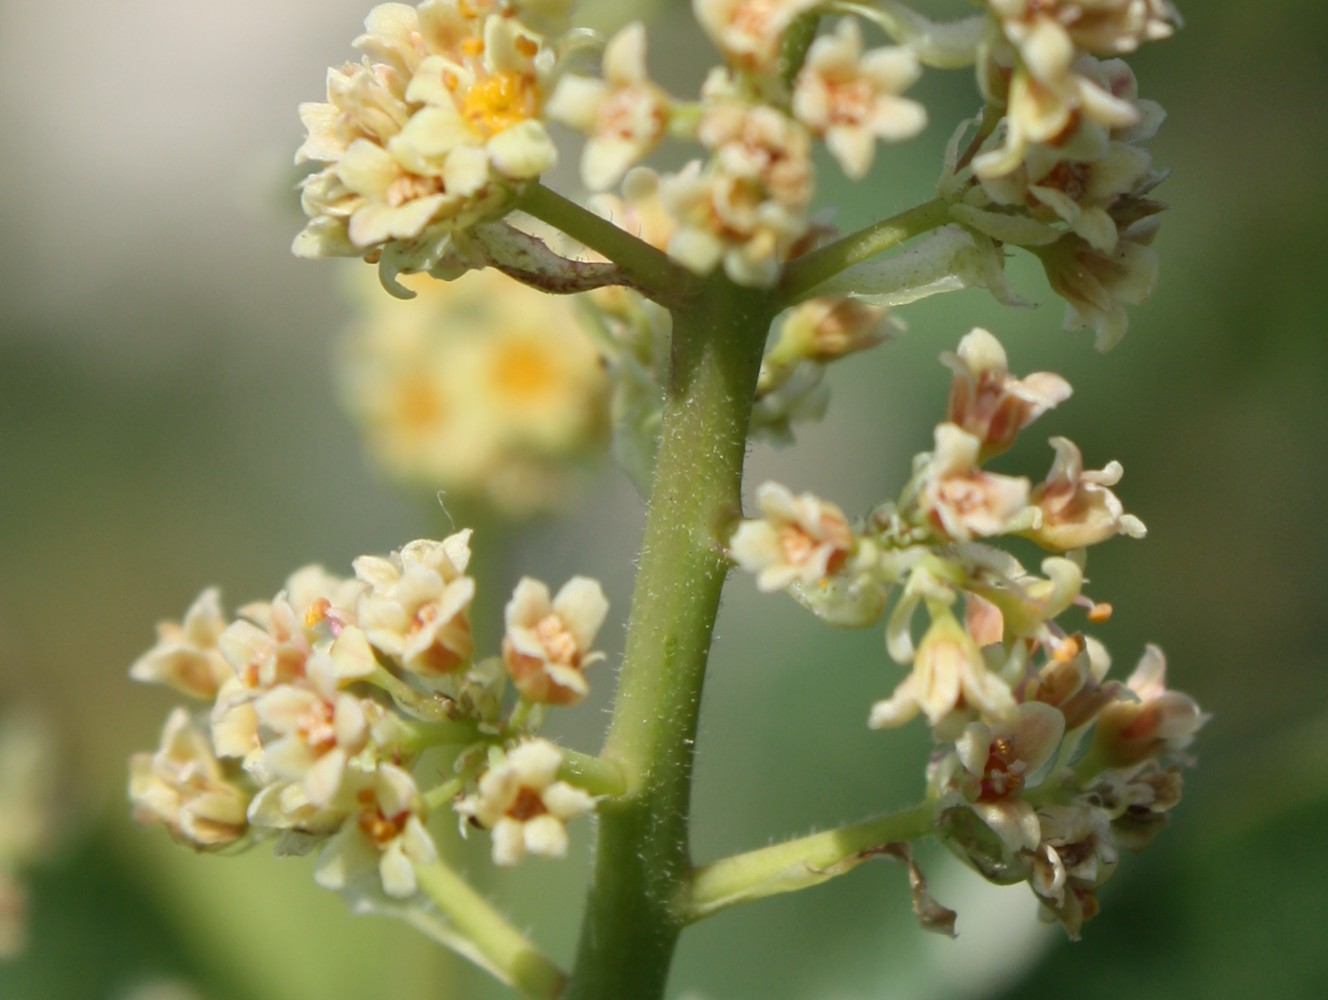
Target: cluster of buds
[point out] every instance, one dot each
(317, 704)
(1056, 164)
(1043, 766)
(443, 123)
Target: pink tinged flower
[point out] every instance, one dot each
(524, 805)
(547, 642)
(962, 501)
(1077, 505)
(314, 729)
(950, 683)
(1073, 682)
(1096, 285)
(852, 100)
(386, 837)
(797, 538)
(1000, 762)
(624, 115)
(987, 402)
(1027, 602)
(748, 32)
(1155, 723)
(186, 789)
(826, 329)
(417, 609)
(186, 656)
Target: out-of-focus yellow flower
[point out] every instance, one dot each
(481, 387)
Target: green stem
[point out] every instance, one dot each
(801, 863)
(498, 946)
(649, 270)
(802, 275)
(595, 774)
(643, 865)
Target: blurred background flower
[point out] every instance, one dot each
(169, 420)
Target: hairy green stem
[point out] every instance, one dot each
(643, 865)
(798, 864)
(649, 270)
(595, 774)
(802, 275)
(497, 945)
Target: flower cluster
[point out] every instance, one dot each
(1056, 164)
(481, 387)
(319, 702)
(437, 126)
(1044, 766)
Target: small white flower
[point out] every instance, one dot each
(186, 656)
(386, 838)
(624, 115)
(851, 99)
(950, 683)
(524, 805)
(987, 402)
(1077, 505)
(418, 606)
(797, 538)
(959, 498)
(547, 642)
(186, 789)
(748, 32)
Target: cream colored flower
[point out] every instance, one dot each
(1074, 179)
(271, 645)
(747, 209)
(1070, 100)
(546, 645)
(1000, 761)
(384, 841)
(186, 789)
(1047, 33)
(1095, 285)
(950, 684)
(481, 387)
(826, 329)
(1077, 505)
(417, 609)
(961, 500)
(851, 99)
(311, 730)
(624, 115)
(748, 32)
(1075, 858)
(987, 402)
(437, 126)
(524, 805)
(1155, 722)
(186, 656)
(797, 538)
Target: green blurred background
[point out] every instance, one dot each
(167, 422)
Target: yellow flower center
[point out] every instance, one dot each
(419, 405)
(499, 102)
(522, 369)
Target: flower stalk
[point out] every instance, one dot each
(803, 274)
(642, 864)
(499, 946)
(800, 863)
